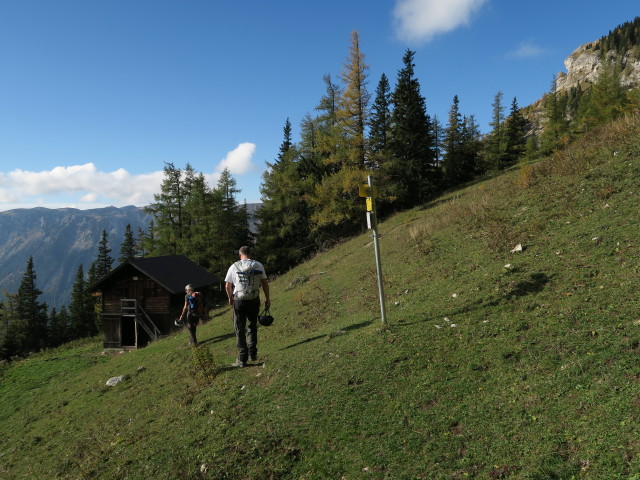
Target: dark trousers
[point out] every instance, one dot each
(192, 323)
(245, 321)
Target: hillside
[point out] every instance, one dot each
(494, 364)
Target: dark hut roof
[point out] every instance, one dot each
(171, 272)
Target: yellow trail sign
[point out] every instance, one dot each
(365, 191)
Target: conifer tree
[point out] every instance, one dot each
(556, 125)
(284, 230)
(412, 169)
(103, 262)
(128, 247)
(15, 329)
(495, 145)
(229, 227)
(334, 204)
(471, 146)
(167, 211)
(353, 113)
(515, 131)
(57, 328)
(438, 139)
(380, 124)
(30, 314)
(607, 99)
(82, 318)
(453, 162)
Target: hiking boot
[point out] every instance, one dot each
(238, 364)
(253, 358)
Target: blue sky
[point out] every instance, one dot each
(96, 95)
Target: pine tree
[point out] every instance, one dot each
(128, 247)
(31, 315)
(412, 169)
(167, 211)
(229, 226)
(438, 139)
(284, 230)
(471, 148)
(556, 125)
(380, 124)
(495, 145)
(15, 329)
(103, 261)
(453, 157)
(82, 318)
(515, 131)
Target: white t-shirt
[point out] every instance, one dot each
(246, 276)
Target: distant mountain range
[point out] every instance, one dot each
(60, 240)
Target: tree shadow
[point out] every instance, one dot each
(535, 284)
(329, 336)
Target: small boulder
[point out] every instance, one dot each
(113, 381)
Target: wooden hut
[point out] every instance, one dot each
(142, 297)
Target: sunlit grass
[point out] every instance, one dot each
(493, 364)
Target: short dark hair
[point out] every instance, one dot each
(245, 250)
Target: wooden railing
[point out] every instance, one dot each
(131, 308)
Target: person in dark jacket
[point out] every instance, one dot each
(192, 310)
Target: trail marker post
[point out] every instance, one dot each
(370, 191)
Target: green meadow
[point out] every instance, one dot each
(495, 362)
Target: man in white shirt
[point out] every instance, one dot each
(242, 284)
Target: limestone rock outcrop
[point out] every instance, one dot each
(584, 64)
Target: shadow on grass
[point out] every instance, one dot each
(228, 368)
(329, 336)
(535, 284)
(217, 339)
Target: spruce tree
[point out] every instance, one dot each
(380, 124)
(128, 247)
(412, 169)
(495, 145)
(31, 314)
(556, 125)
(453, 162)
(471, 148)
(167, 211)
(82, 317)
(515, 131)
(283, 230)
(103, 261)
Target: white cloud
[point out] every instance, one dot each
(421, 20)
(238, 160)
(526, 50)
(117, 188)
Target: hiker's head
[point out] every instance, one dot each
(188, 288)
(245, 252)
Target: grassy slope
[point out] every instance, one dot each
(485, 371)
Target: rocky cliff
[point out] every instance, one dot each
(584, 64)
